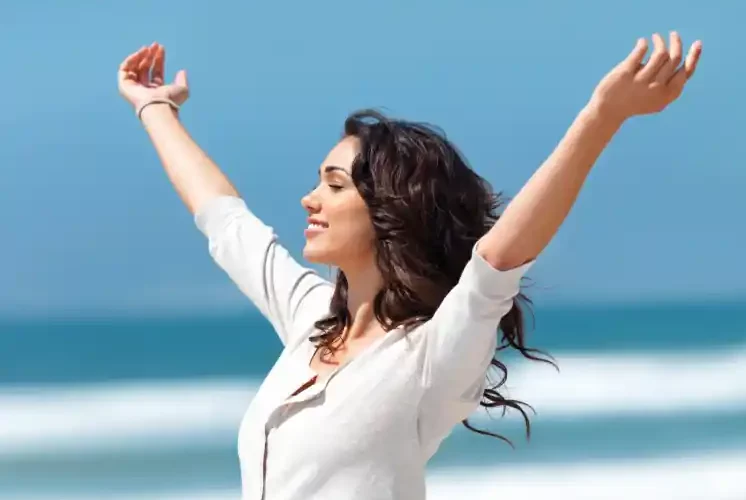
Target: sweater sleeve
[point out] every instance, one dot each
(289, 295)
(461, 338)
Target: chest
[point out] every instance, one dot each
(367, 393)
(324, 361)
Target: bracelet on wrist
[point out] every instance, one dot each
(159, 100)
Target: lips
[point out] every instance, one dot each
(316, 223)
(315, 227)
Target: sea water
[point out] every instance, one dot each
(649, 400)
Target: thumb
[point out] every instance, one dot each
(181, 79)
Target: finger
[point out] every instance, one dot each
(132, 59)
(143, 68)
(692, 59)
(674, 59)
(129, 65)
(159, 64)
(633, 62)
(181, 79)
(657, 60)
(687, 70)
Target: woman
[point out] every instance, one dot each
(379, 367)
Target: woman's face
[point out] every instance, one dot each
(340, 232)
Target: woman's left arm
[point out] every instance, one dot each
(632, 88)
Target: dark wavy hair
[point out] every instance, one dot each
(428, 209)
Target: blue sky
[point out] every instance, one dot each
(90, 222)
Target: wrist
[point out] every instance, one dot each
(155, 101)
(157, 111)
(601, 116)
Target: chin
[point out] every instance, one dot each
(317, 255)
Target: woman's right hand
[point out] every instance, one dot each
(141, 78)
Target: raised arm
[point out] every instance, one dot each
(289, 295)
(194, 175)
(461, 338)
(632, 88)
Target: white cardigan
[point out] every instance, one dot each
(367, 430)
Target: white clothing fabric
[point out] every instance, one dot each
(367, 430)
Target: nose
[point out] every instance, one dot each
(310, 203)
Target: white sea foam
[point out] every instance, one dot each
(633, 384)
(687, 478)
(691, 478)
(148, 414)
(119, 415)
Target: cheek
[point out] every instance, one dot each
(358, 230)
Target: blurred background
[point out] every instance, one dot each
(127, 357)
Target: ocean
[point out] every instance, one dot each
(649, 401)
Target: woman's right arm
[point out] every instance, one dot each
(289, 295)
(196, 178)
(194, 175)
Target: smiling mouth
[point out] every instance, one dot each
(315, 228)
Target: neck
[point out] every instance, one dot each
(363, 283)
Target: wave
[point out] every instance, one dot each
(684, 478)
(121, 415)
(48, 419)
(592, 385)
(715, 477)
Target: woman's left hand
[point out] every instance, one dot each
(633, 88)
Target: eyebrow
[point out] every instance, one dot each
(332, 168)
